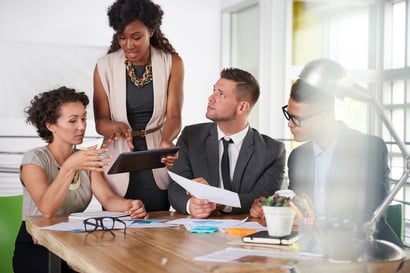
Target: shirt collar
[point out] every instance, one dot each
(237, 137)
(317, 150)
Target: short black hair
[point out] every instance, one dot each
(303, 92)
(45, 108)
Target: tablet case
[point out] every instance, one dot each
(140, 160)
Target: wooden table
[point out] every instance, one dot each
(165, 250)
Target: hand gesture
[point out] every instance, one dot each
(137, 210)
(120, 129)
(170, 159)
(91, 159)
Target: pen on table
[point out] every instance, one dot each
(315, 222)
(309, 210)
(299, 214)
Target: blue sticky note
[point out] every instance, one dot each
(204, 229)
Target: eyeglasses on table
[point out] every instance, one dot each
(104, 223)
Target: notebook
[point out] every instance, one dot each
(141, 160)
(262, 237)
(96, 214)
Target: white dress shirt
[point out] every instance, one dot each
(233, 152)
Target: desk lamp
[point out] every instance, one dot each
(328, 76)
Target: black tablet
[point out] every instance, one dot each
(141, 160)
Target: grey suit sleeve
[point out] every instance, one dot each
(376, 178)
(268, 180)
(176, 194)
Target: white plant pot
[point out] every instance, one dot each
(279, 220)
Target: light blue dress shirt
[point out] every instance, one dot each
(322, 165)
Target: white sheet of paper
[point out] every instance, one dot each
(78, 226)
(210, 193)
(149, 223)
(75, 226)
(94, 214)
(241, 255)
(222, 224)
(252, 225)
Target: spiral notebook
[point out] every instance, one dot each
(262, 237)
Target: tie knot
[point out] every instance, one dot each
(226, 141)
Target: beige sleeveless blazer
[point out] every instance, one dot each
(111, 69)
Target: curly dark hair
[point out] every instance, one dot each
(247, 87)
(124, 12)
(45, 108)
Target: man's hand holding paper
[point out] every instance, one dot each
(199, 208)
(204, 194)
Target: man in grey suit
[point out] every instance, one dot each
(256, 162)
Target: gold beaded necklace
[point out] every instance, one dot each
(146, 77)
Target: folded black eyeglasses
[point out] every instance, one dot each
(104, 223)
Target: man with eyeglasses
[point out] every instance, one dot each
(343, 172)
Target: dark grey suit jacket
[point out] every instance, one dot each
(357, 181)
(258, 172)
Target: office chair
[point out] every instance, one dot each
(10, 221)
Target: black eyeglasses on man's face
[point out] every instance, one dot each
(297, 120)
(103, 223)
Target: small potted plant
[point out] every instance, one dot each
(277, 200)
(279, 214)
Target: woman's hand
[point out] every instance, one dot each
(119, 129)
(170, 159)
(91, 159)
(137, 210)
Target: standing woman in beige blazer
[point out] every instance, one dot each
(138, 95)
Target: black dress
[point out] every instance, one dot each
(142, 185)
